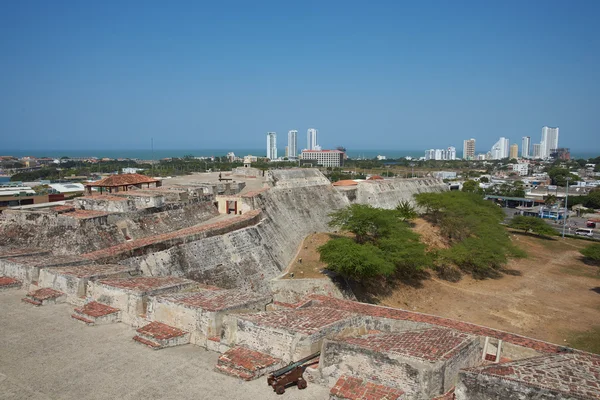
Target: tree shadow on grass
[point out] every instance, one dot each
(533, 235)
(372, 290)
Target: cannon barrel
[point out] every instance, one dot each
(298, 363)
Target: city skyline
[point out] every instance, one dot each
(103, 76)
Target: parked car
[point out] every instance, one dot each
(590, 224)
(584, 232)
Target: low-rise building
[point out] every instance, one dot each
(325, 158)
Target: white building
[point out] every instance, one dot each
(549, 141)
(441, 154)
(525, 146)
(469, 149)
(292, 144)
(381, 158)
(272, 146)
(537, 150)
(451, 153)
(521, 168)
(130, 170)
(326, 158)
(66, 188)
(500, 149)
(312, 139)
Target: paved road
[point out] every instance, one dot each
(574, 223)
(44, 354)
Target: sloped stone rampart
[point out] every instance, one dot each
(248, 258)
(152, 244)
(389, 192)
(295, 178)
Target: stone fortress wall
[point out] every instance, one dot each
(185, 273)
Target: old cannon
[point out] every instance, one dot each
(291, 374)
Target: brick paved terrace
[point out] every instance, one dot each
(305, 320)
(145, 284)
(352, 388)
(20, 252)
(434, 344)
(466, 327)
(569, 375)
(216, 299)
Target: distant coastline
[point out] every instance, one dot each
(146, 154)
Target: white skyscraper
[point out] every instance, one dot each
(500, 149)
(549, 141)
(537, 150)
(292, 144)
(451, 153)
(525, 146)
(311, 137)
(271, 145)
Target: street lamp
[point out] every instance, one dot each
(566, 210)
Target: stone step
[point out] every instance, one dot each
(94, 313)
(352, 388)
(9, 283)
(45, 296)
(246, 364)
(158, 336)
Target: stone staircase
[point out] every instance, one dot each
(9, 283)
(246, 364)
(94, 313)
(44, 296)
(158, 336)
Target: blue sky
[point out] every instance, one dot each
(368, 75)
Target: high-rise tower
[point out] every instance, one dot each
(549, 141)
(292, 144)
(469, 149)
(311, 138)
(271, 145)
(525, 146)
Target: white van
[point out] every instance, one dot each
(584, 232)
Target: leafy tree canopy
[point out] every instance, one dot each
(532, 224)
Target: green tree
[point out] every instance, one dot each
(479, 245)
(366, 222)
(550, 200)
(471, 186)
(559, 176)
(591, 253)
(532, 224)
(353, 260)
(406, 211)
(484, 179)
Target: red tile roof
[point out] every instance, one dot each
(122, 180)
(346, 182)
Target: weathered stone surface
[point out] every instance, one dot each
(73, 280)
(9, 283)
(201, 313)
(45, 296)
(131, 294)
(423, 363)
(158, 336)
(352, 388)
(558, 376)
(246, 364)
(389, 192)
(27, 268)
